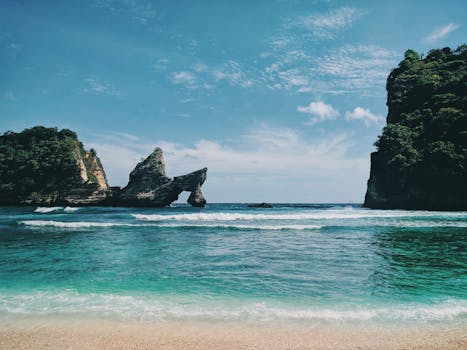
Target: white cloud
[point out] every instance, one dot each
(266, 163)
(363, 114)
(325, 26)
(95, 87)
(441, 32)
(319, 112)
(185, 78)
(200, 67)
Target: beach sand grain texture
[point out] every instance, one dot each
(85, 335)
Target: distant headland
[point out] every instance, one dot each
(421, 157)
(47, 167)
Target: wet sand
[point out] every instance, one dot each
(104, 334)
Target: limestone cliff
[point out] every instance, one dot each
(421, 158)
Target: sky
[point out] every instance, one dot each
(281, 100)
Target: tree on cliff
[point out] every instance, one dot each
(37, 160)
(422, 152)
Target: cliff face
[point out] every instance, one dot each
(44, 166)
(91, 169)
(421, 155)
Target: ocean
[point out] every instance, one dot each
(311, 263)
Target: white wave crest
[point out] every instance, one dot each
(328, 214)
(70, 209)
(47, 209)
(246, 227)
(157, 308)
(88, 224)
(77, 224)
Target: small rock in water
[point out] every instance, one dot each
(261, 205)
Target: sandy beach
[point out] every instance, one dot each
(98, 334)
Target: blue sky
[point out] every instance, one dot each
(281, 100)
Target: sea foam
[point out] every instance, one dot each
(70, 209)
(159, 308)
(77, 224)
(47, 209)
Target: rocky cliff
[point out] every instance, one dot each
(421, 157)
(44, 166)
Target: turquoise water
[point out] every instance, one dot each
(230, 262)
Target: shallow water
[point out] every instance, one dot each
(326, 262)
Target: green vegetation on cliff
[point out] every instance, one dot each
(421, 155)
(40, 162)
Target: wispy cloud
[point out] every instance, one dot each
(138, 11)
(362, 68)
(296, 66)
(185, 78)
(203, 76)
(364, 115)
(440, 33)
(183, 115)
(248, 168)
(327, 25)
(125, 136)
(319, 112)
(233, 73)
(160, 65)
(359, 69)
(95, 87)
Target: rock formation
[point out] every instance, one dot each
(150, 186)
(421, 158)
(44, 166)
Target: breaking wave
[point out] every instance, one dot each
(87, 224)
(47, 209)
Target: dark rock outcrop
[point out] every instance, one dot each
(260, 205)
(150, 186)
(421, 161)
(196, 198)
(47, 167)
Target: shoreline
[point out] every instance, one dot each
(90, 333)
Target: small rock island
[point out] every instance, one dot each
(47, 167)
(421, 157)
